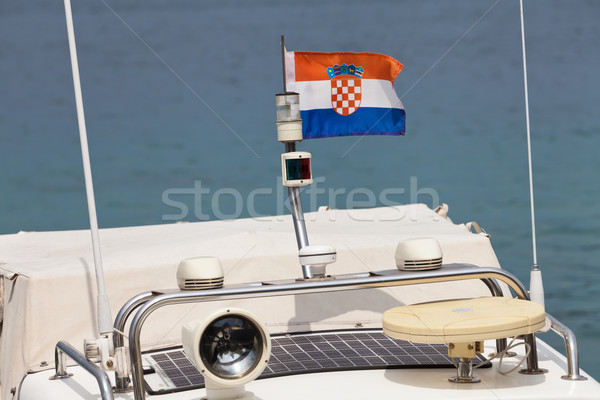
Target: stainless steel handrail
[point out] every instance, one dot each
(62, 348)
(136, 301)
(571, 347)
(379, 279)
(122, 382)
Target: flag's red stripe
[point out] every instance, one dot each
(312, 66)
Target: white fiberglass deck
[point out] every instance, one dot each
(416, 383)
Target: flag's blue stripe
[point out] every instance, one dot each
(364, 121)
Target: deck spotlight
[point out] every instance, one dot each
(230, 349)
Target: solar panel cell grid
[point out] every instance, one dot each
(302, 353)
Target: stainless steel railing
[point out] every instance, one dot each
(572, 350)
(122, 382)
(63, 348)
(150, 302)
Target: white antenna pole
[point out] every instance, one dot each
(104, 315)
(536, 289)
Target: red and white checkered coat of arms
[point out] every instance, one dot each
(346, 93)
(346, 88)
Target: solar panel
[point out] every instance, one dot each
(171, 370)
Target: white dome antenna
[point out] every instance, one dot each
(418, 254)
(315, 258)
(200, 273)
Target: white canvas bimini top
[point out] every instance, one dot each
(48, 278)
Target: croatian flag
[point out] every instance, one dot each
(345, 94)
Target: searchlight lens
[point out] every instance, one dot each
(231, 346)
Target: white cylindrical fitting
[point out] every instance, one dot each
(289, 123)
(289, 131)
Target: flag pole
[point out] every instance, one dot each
(283, 63)
(294, 192)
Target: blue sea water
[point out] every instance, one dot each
(179, 94)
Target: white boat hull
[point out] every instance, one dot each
(415, 383)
